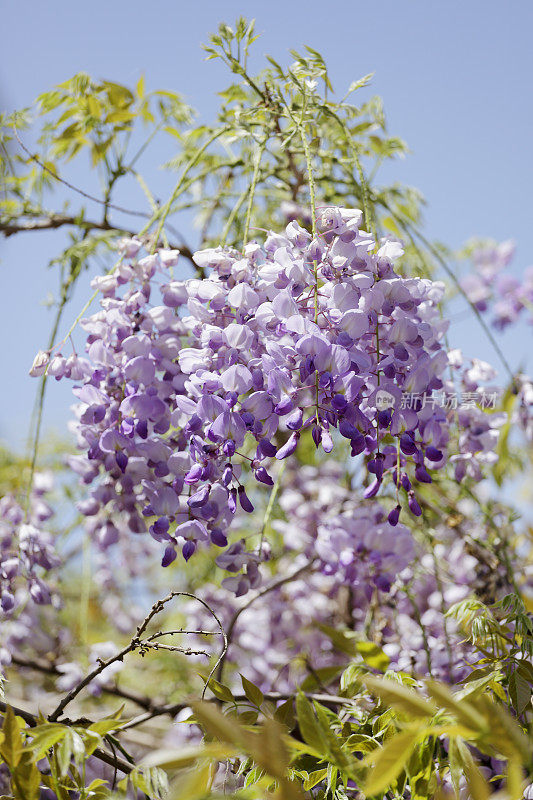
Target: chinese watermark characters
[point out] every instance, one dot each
(449, 401)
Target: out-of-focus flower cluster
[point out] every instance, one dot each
(477, 430)
(493, 290)
(27, 551)
(72, 673)
(508, 299)
(28, 561)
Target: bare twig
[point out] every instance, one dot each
(137, 643)
(76, 189)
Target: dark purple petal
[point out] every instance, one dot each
(394, 515)
(170, 555)
(244, 500)
(188, 550)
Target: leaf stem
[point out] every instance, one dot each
(253, 185)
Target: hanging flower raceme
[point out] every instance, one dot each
(491, 289)
(27, 552)
(28, 575)
(181, 400)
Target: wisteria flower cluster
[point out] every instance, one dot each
(508, 299)
(362, 548)
(182, 400)
(492, 289)
(349, 539)
(396, 592)
(477, 431)
(27, 552)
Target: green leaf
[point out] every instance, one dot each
(152, 781)
(186, 756)
(519, 691)
(221, 691)
(455, 764)
(91, 741)
(400, 697)
(309, 726)
(119, 116)
(525, 668)
(12, 746)
(253, 776)
(284, 713)
(219, 725)
(26, 778)
(504, 731)
(389, 223)
(249, 716)
(343, 641)
(252, 692)
(389, 761)
(462, 710)
(478, 786)
(46, 736)
(320, 678)
(71, 746)
(476, 683)
(104, 726)
(515, 779)
(373, 655)
(314, 778)
(96, 783)
(360, 83)
(351, 679)
(194, 784)
(361, 743)
(269, 749)
(94, 106)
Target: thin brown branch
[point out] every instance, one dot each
(107, 205)
(142, 645)
(53, 221)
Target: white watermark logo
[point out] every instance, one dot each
(384, 399)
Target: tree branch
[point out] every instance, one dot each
(142, 645)
(53, 221)
(330, 700)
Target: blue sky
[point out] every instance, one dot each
(455, 78)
